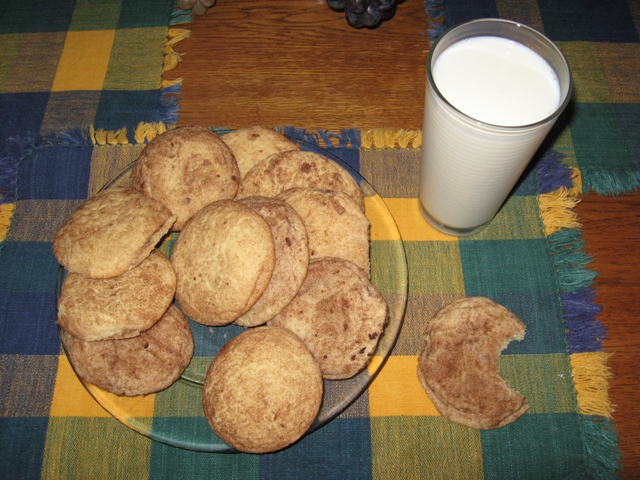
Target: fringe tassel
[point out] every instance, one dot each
(391, 138)
(570, 260)
(591, 376)
(169, 104)
(323, 138)
(108, 137)
(71, 137)
(435, 13)
(557, 210)
(611, 181)
(434, 8)
(576, 176)
(172, 83)
(591, 379)
(580, 304)
(601, 445)
(171, 57)
(584, 332)
(145, 132)
(180, 17)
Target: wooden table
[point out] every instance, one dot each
(298, 63)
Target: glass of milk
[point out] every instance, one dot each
(494, 90)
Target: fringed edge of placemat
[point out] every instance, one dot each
(435, 13)
(170, 90)
(180, 16)
(611, 181)
(559, 188)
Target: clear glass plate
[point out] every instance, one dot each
(174, 416)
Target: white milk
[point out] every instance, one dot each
(469, 165)
(496, 80)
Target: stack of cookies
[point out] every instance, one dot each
(117, 324)
(270, 238)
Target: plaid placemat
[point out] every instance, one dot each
(601, 40)
(68, 64)
(530, 259)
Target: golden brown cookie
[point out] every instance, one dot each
(292, 259)
(335, 225)
(338, 314)
(186, 169)
(292, 169)
(263, 390)
(223, 259)
(251, 145)
(459, 366)
(111, 233)
(134, 366)
(118, 307)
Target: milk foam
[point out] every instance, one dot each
(496, 80)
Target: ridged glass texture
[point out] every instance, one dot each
(469, 167)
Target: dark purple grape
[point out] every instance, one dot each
(386, 15)
(371, 17)
(336, 4)
(356, 6)
(386, 5)
(353, 19)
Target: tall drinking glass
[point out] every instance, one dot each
(494, 90)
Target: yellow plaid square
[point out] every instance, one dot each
(412, 226)
(71, 398)
(84, 61)
(396, 391)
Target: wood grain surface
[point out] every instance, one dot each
(611, 229)
(298, 63)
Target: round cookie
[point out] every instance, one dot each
(338, 314)
(459, 365)
(223, 258)
(111, 233)
(251, 145)
(186, 168)
(263, 390)
(145, 364)
(335, 225)
(292, 169)
(118, 307)
(291, 259)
